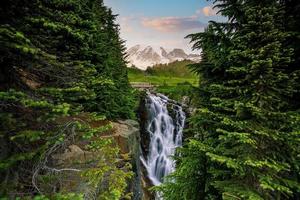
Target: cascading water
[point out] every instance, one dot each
(165, 135)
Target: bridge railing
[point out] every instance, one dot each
(142, 85)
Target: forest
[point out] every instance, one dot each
(62, 69)
(64, 81)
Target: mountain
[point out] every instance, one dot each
(147, 56)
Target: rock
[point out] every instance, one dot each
(127, 137)
(147, 195)
(187, 105)
(185, 100)
(143, 117)
(125, 134)
(72, 154)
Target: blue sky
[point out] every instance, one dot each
(161, 22)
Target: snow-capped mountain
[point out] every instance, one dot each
(147, 56)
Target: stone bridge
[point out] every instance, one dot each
(142, 85)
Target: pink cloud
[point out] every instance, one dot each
(208, 11)
(172, 24)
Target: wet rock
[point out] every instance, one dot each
(144, 117)
(127, 137)
(126, 134)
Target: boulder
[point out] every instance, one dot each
(72, 154)
(126, 135)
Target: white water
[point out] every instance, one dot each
(165, 136)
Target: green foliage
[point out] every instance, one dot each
(190, 176)
(178, 91)
(53, 197)
(60, 197)
(247, 123)
(158, 76)
(107, 171)
(58, 60)
(174, 69)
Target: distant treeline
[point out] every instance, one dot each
(173, 69)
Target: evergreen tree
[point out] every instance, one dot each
(245, 129)
(59, 60)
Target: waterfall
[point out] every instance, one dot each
(165, 133)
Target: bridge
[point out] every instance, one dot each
(142, 85)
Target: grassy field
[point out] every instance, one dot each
(161, 80)
(164, 75)
(172, 83)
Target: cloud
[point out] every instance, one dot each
(207, 11)
(125, 24)
(172, 24)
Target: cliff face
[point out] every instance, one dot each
(144, 148)
(128, 139)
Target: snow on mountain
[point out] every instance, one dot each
(147, 56)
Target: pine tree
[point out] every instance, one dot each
(245, 131)
(58, 59)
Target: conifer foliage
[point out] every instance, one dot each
(58, 59)
(246, 128)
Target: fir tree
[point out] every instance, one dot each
(59, 59)
(245, 128)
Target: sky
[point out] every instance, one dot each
(162, 22)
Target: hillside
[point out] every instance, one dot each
(174, 69)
